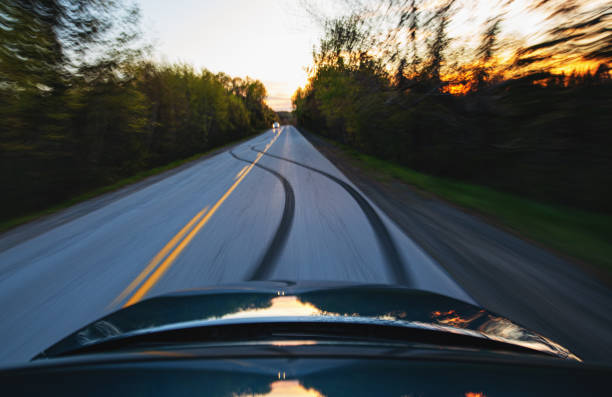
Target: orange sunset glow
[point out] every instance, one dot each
(287, 388)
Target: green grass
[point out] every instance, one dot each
(584, 235)
(13, 222)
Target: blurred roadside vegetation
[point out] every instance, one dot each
(402, 80)
(82, 107)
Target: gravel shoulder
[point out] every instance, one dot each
(518, 279)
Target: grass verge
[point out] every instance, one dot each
(14, 222)
(586, 236)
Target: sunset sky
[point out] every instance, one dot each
(270, 40)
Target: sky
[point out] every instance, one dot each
(269, 40)
(272, 40)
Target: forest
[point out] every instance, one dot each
(82, 105)
(410, 82)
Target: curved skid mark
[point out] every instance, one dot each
(266, 263)
(385, 241)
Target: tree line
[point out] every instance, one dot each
(388, 81)
(81, 106)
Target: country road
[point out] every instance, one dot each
(271, 208)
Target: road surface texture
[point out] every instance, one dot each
(272, 207)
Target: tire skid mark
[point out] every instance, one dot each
(385, 241)
(268, 260)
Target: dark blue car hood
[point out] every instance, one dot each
(268, 302)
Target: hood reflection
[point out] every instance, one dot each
(279, 306)
(285, 388)
(501, 329)
(477, 322)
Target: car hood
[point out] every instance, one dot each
(261, 302)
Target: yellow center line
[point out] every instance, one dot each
(240, 172)
(165, 265)
(157, 258)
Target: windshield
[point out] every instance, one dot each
(441, 166)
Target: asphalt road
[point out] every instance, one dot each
(270, 208)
